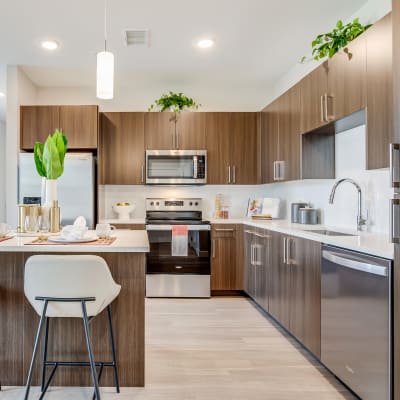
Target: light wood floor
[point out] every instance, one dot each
(218, 349)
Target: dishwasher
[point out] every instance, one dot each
(356, 321)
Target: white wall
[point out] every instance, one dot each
(235, 196)
(2, 171)
(20, 91)
(350, 163)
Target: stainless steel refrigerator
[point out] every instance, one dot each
(76, 187)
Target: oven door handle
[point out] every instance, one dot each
(169, 227)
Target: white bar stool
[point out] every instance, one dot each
(74, 286)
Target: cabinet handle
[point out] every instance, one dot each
(252, 254)
(224, 229)
(393, 221)
(142, 173)
(275, 175)
(284, 250)
(289, 251)
(394, 168)
(322, 109)
(234, 174)
(249, 232)
(177, 140)
(262, 236)
(281, 170)
(229, 174)
(213, 248)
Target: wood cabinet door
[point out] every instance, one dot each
(218, 147)
(224, 274)
(245, 148)
(159, 131)
(347, 79)
(379, 93)
(191, 131)
(37, 123)
(269, 141)
(279, 290)
(313, 88)
(121, 157)
(305, 292)
(80, 125)
(289, 133)
(262, 267)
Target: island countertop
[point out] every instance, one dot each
(127, 241)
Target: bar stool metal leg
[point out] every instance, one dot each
(114, 359)
(44, 355)
(90, 351)
(35, 350)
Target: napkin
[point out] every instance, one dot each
(77, 231)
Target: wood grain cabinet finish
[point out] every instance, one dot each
(347, 80)
(226, 261)
(379, 93)
(121, 156)
(159, 130)
(233, 151)
(314, 89)
(190, 131)
(37, 123)
(79, 123)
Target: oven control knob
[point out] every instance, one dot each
(190, 203)
(157, 204)
(197, 203)
(152, 203)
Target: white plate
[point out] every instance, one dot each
(60, 239)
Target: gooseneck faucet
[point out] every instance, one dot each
(360, 219)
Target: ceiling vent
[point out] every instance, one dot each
(137, 37)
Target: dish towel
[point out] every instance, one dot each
(179, 244)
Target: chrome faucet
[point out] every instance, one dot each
(360, 219)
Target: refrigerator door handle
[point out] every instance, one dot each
(394, 221)
(394, 165)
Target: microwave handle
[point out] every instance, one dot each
(195, 164)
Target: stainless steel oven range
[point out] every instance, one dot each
(182, 274)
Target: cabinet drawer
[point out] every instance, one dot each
(223, 231)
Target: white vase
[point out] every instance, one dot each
(50, 192)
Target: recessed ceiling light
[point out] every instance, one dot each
(2, 94)
(205, 43)
(50, 45)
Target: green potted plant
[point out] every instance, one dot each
(49, 160)
(328, 44)
(175, 102)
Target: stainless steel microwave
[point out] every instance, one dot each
(176, 167)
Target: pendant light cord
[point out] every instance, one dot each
(105, 25)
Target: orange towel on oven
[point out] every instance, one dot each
(179, 243)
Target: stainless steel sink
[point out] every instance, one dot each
(327, 232)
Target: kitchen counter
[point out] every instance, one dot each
(127, 242)
(364, 242)
(117, 221)
(126, 258)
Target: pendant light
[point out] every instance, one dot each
(105, 67)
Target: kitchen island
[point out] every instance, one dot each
(18, 321)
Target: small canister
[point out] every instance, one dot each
(308, 216)
(295, 211)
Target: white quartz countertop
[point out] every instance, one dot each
(128, 241)
(122, 221)
(364, 242)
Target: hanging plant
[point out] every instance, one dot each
(328, 44)
(174, 102)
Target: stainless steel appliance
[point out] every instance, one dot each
(169, 275)
(356, 338)
(176, 167)
(76, 187)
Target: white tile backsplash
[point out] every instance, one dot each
(350, 163)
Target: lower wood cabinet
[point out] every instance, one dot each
(283, 275)
(132, 227)
(226, 260)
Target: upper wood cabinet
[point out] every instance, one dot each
(379, 93)
(233, 153)
(226, 260)
(314, 101)
(79, 123)
(121, 155)
(280, 138)
(347, 80)
(159, 130)
(170, 131)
